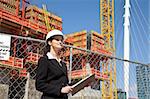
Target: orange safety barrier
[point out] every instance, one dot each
(80, 73)
(23, 73)
(18, 62)
(13, 61)
(33, 57)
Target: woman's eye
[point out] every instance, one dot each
(58, 39)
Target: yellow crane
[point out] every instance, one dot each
(109, 89)
(46, 17)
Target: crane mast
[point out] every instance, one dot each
(109, 90)
(46, 17)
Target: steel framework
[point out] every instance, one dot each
(109, 90)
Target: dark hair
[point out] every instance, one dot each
(47, 47)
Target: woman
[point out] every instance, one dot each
(51, 77)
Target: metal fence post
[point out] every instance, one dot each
(70, 65)
(27, 86)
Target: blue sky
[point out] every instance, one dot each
(78, 15)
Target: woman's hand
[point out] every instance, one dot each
(66, 89)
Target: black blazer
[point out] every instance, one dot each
(51, 77)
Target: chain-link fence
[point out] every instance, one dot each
(18, 73)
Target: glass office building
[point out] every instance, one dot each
(143, 81)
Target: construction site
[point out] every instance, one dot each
(84, 52)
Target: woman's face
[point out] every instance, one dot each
(57, 42)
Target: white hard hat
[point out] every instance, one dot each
(54, 33)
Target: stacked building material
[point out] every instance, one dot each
(39, 16)
(88, 40)
(78, 39)
(11, 6)
(97, 43)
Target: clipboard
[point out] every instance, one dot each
(82, 83)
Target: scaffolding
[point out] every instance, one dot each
(29, 21)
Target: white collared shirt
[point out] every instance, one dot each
(50, 56)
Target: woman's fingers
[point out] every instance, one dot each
(66, 89)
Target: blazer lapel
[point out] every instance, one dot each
(60, 66)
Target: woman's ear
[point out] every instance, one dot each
(49, 43)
